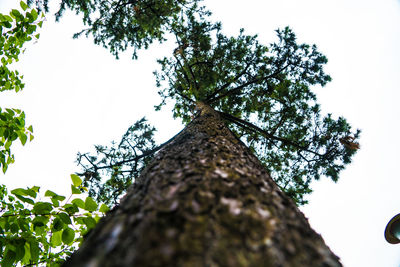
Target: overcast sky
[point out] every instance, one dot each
(78, 95)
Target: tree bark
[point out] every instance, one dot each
(204, 200)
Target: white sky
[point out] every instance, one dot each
(78, 95)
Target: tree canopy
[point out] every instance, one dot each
(264, 92)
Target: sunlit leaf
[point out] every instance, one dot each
(90, 204)
(55, 239)
(23, 5)
(76, 180)
(104, 208)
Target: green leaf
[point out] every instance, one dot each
(55, 202)
(14, 228)
(25, 199)
(27, 255)
(55, 239)
(54, 195)
(68, 236)
(76, 180)
(8, 144)
(19, 192)
(8, 18)
(104, 208)
(42, 208)
(57, 225)
(78, 202)
(23, 224)
(23, 5)
(4, 168)
(34, 14)
(20, 249)
(49, 193)
(65, 218)
(35, 250)
(75, 190)
(9, 259)
(59, 198)
(7, 24)
(71, 208)
(16, 14)
(89, 222)
(3, 221)
(31, 192)
(35, 188)
(23, 138)
(90, 204)
(40, 221)
(40, 230)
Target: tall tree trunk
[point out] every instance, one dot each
(204, 200)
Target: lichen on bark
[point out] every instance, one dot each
(204, 200)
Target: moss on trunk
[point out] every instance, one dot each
(204, 200)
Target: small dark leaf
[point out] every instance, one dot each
(57, 225)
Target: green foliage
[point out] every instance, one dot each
(16, 29)
(119, 24)
(43, 232)
(12, 127)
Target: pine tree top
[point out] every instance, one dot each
(264, 92)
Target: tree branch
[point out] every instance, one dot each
(256, 129)
(180, 45)
(223, 87)
(240, 87)
(144, 154)
(186, 78)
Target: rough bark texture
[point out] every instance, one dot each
(205, 200)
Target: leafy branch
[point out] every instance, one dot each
(30, 228)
